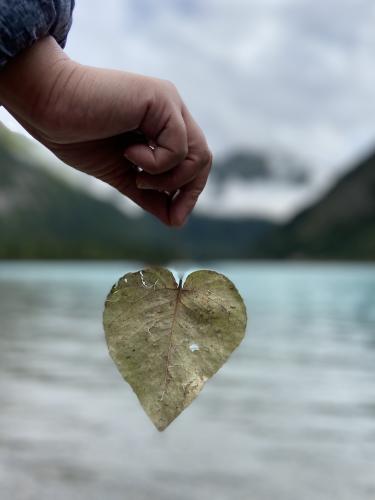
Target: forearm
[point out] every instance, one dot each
(45, 89)
(87, 117)
(27, 82)
(22, 24)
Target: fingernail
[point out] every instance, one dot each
(175, 195)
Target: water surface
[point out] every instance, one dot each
(290, 416)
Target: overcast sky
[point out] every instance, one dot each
(292, 74)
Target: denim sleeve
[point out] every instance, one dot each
(22, 22)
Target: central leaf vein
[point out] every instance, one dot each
(170, 347)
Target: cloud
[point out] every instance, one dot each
(274, 73)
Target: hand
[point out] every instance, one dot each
(130, 131)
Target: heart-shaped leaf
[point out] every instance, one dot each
(167, 340)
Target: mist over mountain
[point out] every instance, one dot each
(341, 225)
(250, 166)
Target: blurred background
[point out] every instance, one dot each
(284, 91)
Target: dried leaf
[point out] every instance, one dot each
(167, 340)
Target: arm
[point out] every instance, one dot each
(87, 117)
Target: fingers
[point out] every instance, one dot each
(153, 202)
(171, 143)
(183, 204)
(190, 176)
(157, 204)
(170, 181)
(171, 211)
(173, 158)
(103, 159)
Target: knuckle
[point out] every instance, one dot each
(207, 157)
(169, 86)
(204, 161)
(172, 86)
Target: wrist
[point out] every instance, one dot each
(29, 82)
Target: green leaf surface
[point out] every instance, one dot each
(167, 340)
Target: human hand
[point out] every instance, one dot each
(107, 123)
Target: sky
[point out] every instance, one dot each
(276, 75)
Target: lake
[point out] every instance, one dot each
(290, 416)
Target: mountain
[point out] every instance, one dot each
(250, 166)
(339, 226)
(42, 216)
(45, 217)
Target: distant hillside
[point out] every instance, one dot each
(340, 226)
(43, 217)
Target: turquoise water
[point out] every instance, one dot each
(290, 416)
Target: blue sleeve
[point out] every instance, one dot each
(22, 22)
